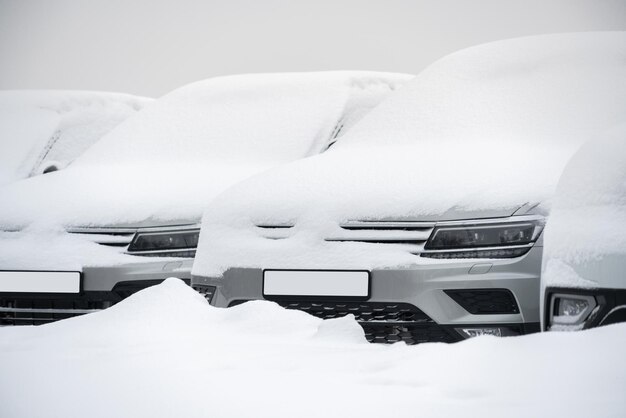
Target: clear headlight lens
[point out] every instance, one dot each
(172, 243)
(476, 236)
(570, 312)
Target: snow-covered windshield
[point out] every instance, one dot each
(479, 133)
(42, 130)
(257, 117)
(169, 161)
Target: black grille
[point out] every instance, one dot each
(36, 309)
(409, 333)
(362, 311)
(22, 311)
(382, 322)
(206, 291)
(485, 301)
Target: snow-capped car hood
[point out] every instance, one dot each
(165, 164)
(484, 132)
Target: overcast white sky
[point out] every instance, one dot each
(152, 46)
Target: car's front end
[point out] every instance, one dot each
(429, 175)
(468, 278)
(129, 259)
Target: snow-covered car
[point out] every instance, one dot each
(45, 130)
(125, 215)
(584, 277)
(425, 221)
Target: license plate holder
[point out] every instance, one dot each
(43, 282)
(346, 284)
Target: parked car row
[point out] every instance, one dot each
(419, 211)
(126, 213)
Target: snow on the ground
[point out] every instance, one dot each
(477, 134)
(170, 160)
(165, 352)
(585, 239)
(39, 128)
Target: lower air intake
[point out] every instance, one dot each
(485, 301)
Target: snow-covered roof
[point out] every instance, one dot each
(170, 160)
(479, 133)
(585, 239)
(39, 128)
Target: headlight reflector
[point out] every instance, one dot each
(570, 312)
(476, 236)
(171, 242)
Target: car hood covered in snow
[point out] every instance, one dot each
(166, 163)
(484, 132)
(39, 128)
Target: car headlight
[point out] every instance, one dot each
(163, 244)
(503, 240)
(570, 312)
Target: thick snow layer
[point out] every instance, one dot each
(165, 352)
(43, 247)
(585, 241)
(477, 134)
(168, 161)
(40, 128)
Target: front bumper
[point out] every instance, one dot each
(101, 287)
(427, 293)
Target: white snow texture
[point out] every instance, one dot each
(39, 128)
(477, 134)
(164, 352)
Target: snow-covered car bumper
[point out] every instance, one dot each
(443, 301)
(31, 298)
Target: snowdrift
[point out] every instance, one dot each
(165, 352)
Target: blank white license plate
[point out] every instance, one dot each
(316, 283)
(40, 281)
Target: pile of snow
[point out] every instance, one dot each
(479, 133)
(165, 352)
(43, 128)
(170, 160)
(585, 240)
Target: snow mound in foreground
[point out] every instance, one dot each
(43, 127)
(165, 352)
